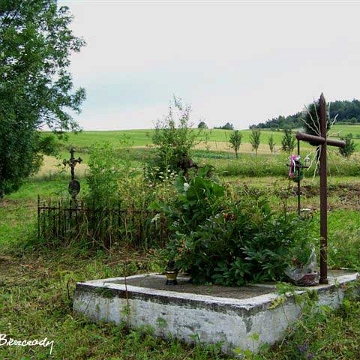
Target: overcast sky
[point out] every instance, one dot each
(242, 62)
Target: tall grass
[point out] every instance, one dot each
(249, 165)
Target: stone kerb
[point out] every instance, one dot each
(194, 317)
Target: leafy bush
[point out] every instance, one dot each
(350, 146)
(255, 139)
(230, 241)
(288, 141)
(235, 141)
(118, 197)
(174, 139)
(106, 167)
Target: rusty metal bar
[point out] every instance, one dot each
(319, 140)
(310, 138)
(323, 141)
(323, 195)
(337, 143)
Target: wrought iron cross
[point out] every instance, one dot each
(74, 185)
(323, 141)
(72, 163)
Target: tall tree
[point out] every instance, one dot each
(311, 122)
(311, 119)
(36, 86)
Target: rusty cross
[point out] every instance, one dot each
(322, 141)
(74, 185)
(72, 163)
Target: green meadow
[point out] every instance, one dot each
(37, 281)
(141, 138)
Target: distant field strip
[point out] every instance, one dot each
(85, 139)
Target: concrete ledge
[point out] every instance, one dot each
(210, 314)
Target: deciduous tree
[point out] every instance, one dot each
(255, 139)
(271, 143)
(288, 141)
(36, 87)
(235, 141)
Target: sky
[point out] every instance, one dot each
(241, 62)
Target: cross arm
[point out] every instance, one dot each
(319, 140)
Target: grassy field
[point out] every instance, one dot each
(215, 139)
(213, 144)
(37, 283)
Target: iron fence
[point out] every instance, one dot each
(105, 226)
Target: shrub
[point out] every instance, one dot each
(235, 141)
(349, 148)
(288, 141)
(174, 139)
(227, 241)
(105, 169)
(255, 139)
(271, 143)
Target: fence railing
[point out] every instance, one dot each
(105, 226)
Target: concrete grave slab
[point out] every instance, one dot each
(210, 314)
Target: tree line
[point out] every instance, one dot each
(344, 111)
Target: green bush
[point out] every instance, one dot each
(105, 168)
(174, 139)
(231, 241)
(118, 198)
(350, 146)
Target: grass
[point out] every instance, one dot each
(37, 284)
(323, 335)
(37, 287)
(340, 130)
(213, 138)
(213, 148)
(36, 303)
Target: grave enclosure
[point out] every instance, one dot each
(232, 317)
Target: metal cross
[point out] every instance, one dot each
(323, 141)
(74, 185)
(72, 163)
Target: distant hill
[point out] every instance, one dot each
(347, 112)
